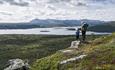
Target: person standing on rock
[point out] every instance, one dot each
(83, 30)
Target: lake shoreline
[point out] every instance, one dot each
(48, 31)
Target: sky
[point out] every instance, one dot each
(26, 10)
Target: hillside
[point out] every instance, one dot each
(46, 23)
(108, 27)
(56, 23)
(100, 56)
(30, 47)
(17, 26)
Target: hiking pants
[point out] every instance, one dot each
(83, 35)
(77, 37)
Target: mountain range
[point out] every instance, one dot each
(45, 23)
(55, 22)
(107, 27)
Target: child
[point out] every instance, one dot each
(78, 33)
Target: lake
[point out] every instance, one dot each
(47, 31)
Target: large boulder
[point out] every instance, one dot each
(75, 44)
(17, 64)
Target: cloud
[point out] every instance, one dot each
(15, 2)
(19, 4)
(102, 1)
(6, 13)
(1, 2)
(81, 4)
(25, 10)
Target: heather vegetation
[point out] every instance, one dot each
(30, 47)
(100, 56)
(43, 52)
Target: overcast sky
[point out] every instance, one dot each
(26, 10)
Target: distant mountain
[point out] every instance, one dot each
(107, 27)
(54, 22)
(48, 23)
(93, 22)
(44, 23)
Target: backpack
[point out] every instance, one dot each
(84, 27)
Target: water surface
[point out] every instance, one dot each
(46, 31)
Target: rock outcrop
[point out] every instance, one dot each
(72, 59)
(75, 44)
(17, 64)
(66, 51)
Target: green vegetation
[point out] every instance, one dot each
(100, 56)
(43, 52)
(48, 63)
(18, 26)
(30, 47)
(107, 27)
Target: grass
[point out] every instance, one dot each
(100, 56)
(48, 63)
(52, 62)
(35, 48)
(30, 47)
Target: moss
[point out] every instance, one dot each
(100, 56)
(30, 47)
(48, 63)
